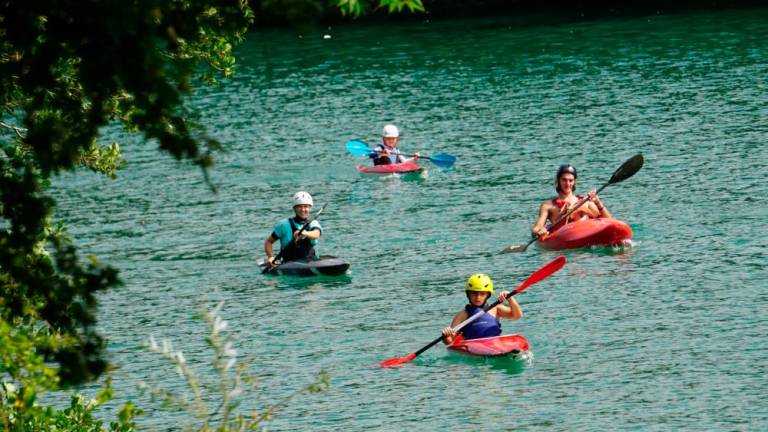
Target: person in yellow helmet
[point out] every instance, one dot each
(479, 288)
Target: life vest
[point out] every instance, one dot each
(379, 159)
(486, 325)
(560, 203)
(300, 249)
(557, 202)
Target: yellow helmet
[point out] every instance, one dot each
(479, 282)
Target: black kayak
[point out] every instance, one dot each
(327, 265)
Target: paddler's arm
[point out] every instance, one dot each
(513, 311)
(538, 227)
(314, 234)
(602, 210)
(448, 333)
(403, 159)
(268, 248)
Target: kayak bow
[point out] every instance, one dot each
(496, 346)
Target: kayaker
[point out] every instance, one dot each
(292, 245)
(553, 209)
(387, 152)
(479, 288)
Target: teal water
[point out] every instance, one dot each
(666, 335)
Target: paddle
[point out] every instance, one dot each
(625, 171)
(545, 271)
(359, 148)
(268, 269)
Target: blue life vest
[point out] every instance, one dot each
(485, 326)
(284, 230)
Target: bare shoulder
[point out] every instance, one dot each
(547, 203)
(459, 317)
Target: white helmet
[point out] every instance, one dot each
(302, 198)
(390, 131)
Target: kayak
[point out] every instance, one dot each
(587, 232)
(496, 346)
(401, 168)
(327, 265)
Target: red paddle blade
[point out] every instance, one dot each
(397, 361)
(545, 271)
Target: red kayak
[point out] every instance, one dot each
(401, 168)
(587, 232)
(496, 346)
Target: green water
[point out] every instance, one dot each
(667, 335)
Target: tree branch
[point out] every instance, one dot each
(19, 131)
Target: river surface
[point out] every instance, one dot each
(669, 334)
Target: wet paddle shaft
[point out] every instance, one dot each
(268, 269)
(545, 271)
(625, 171)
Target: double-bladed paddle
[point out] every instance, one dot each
(545, 271)
(268, 269)
(625, 171)
(359, 148)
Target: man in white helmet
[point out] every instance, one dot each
(387, 152)
(294, 246)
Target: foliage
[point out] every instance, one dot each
(358, 7)
(78, 417)
(232, 385)
(305, 13)
(68, 69)
(22, 368)
(103, 159)
(25, 376)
